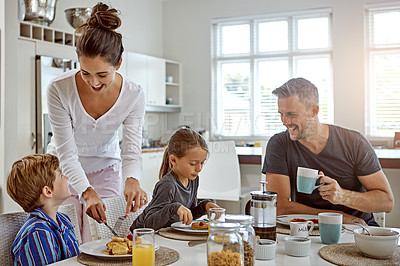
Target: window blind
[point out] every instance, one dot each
(384, 71)
(251, 56)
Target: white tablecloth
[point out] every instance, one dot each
(197, 255)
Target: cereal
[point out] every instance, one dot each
(248, 251)
(225, 257)
(248, 254)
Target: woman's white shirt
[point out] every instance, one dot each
(84, 144)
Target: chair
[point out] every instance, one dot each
(220, 176)
(115, 208)
(10, 223)
(71, 211)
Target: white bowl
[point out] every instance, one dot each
(265, 250)
(381, 244)
(297, 246)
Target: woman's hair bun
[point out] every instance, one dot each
(103, 17)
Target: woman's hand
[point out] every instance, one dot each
(95, 207)
(185, 214)
(133, 192)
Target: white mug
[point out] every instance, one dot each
(307, 179)
(301, 228)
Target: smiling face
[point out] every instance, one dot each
(97, 73)
(297, 118)
(189, 166)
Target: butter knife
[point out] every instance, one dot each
(193, 243)
(112, 230)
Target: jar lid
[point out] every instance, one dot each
(263, 195)
(239, 218)
(224, 226)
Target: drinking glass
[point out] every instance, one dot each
(143, 252)
(216, 214)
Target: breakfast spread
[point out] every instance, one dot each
(121, 246)
(315, 221)
(200, 225)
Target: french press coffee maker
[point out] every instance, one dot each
(262, 207)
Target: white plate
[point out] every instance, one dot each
(98, 248)
(284, 219)
(188, 228)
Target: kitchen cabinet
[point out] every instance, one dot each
(155, 81)
(25, 106)
(151, 73)
(151, 162)
(173, 83)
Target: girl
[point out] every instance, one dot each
(175, 195)
(86, 108)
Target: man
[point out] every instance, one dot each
(355, 184)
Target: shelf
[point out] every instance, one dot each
(169, 108)
(172, 84)
(36, 32)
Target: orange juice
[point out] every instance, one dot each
(143, 255)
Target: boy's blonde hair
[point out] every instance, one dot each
(27, 178)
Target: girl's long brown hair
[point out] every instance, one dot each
(99, 37)
(180, 142)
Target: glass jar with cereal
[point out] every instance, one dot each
(225, 245)
(248, 234)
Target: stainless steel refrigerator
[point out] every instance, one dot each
(47, 68)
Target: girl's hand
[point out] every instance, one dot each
(133, 192)
(185, 214)
(95, 207)
(210, 205)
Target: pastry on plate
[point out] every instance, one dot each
(200, 225)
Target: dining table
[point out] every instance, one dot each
(197, 255)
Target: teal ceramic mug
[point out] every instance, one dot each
(307, 180)
(330, 227)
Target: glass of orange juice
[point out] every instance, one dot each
(143, 253)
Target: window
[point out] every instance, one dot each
(383, 50)
(253, 56)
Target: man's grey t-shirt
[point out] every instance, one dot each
(168, 195)
(346, 156)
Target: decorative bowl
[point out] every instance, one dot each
(78, 16)
(382, 242)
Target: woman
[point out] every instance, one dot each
(86, 108)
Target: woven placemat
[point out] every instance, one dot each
(164, 256)
(349, 254)
(171, 233)
(285, 230)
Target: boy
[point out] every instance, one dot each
(37, 185)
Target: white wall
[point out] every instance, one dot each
(141, 22)
(2, 87)
(142, 32)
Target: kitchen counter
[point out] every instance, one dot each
(156, 149)
(389, 158)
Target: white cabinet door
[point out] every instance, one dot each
(26, 98)
(136, 69)
(155, 80)
(151, 167)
